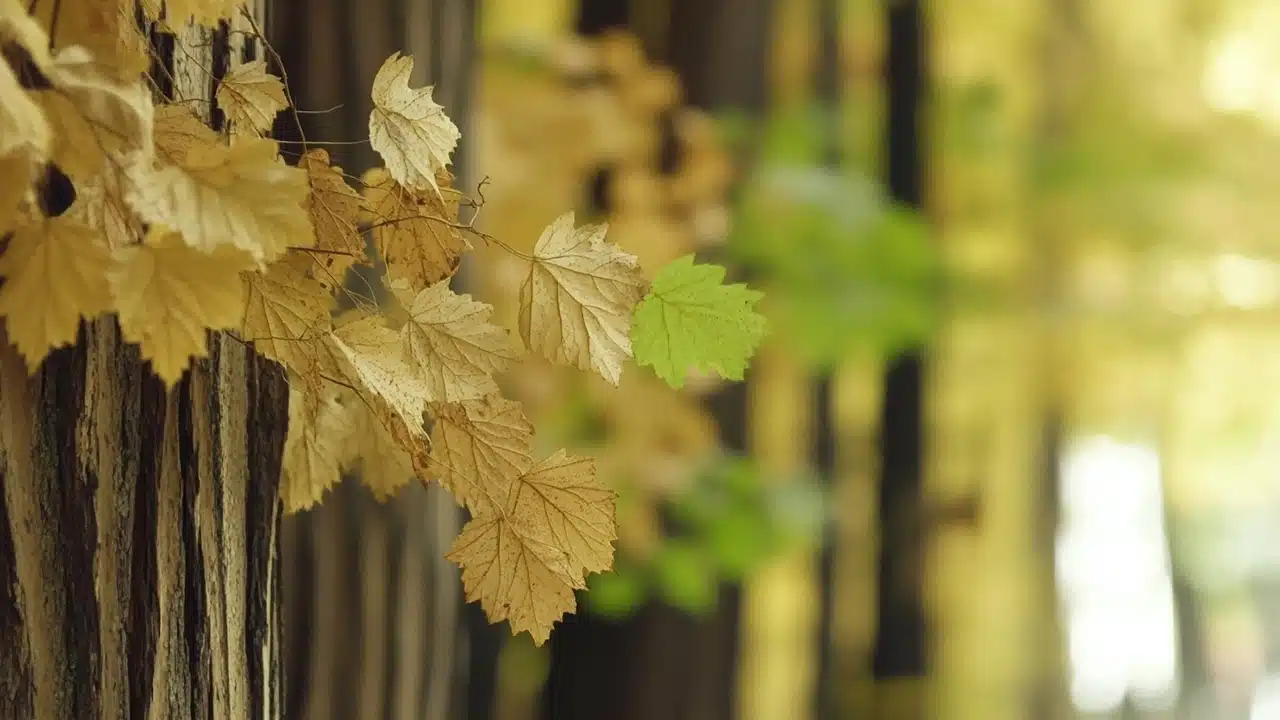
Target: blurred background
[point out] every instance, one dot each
(1012, 449)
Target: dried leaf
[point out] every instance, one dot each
(449, 341)
(414, 231)
(169, 294)
(335, 210)
(318, 428)
(577, 300)
(407, 128)
(241, 196)
(251, 97)
(178, 131)
(477, 446)
(55, 273)
(286, 312)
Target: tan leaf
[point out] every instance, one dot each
(407, 128)
(451, 344)
(15, 186)
(514, 577)
(251, 97)
(108, 29)
(318, 428)
(372, 361)
(285, 312)
(414, 231)
(93, 114)
(22, 123)
(335, 210)
(240, 196)
(385, 467)
(55, 273)
(178, 131)
(478, 447)
(577, 300)
(18, 26)
(561, 503)
(169, 294)
(100, 204)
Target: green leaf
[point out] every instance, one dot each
(686, 577)
(690, 319)
(616, 594)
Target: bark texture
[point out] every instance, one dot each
(139, 570)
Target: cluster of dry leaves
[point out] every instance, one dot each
(178, 229)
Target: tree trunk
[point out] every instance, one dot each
(138, 545)
(376, 626)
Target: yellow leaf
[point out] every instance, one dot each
(285, 312)
(477, 446)
(414, 231)
(407, 128)
(318, 428)
(522, 561)
(374, 365)
(18, 26)
(384, 466)
(15, 184)
(335, 210)
(451, 344)
(108, 29)
(100, 205)
(514, 577)
(169, 294)
(178, 131)
(241, 196)
(251, 97)
(577, 300)
(22, 123)
(93, 115)
(180, 12)
(55, 273)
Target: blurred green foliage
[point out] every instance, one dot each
(731, 521)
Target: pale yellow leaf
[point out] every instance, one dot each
(251, 97)
(561, 503)
(93, 114)
(451, 344)
(514, 577)
(385, 467)
(318, 428)
(286, 311)
(335, 208)
(169, 294)
(178, 131)
(22, 123)
(100, 204)
(407, 128)
(478, 447)
(108, 29)
(15, 186)
(414, 231)
(55, 272)
(240, 196)
(577, 300)
(374, 365)
(18, 26)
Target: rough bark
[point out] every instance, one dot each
(375, 623)
(138, 542)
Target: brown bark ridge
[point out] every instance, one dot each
(139, 527)
(375, 626)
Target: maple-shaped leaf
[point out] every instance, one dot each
(522, 561)
(93, 113)
(178, 131)
(407, 128)
(335, 209)
(375, 366)
(100, 204)
(514, 577)
(477, 447)
(251, 97)
(241, 196)
(450, 342)
(55, 272)
(22, 123)
(169, 294)
(414, 231)
(286, 311)
(384, 465)
(576, 303)
(691, 320)
(108, 29)
(318, 428)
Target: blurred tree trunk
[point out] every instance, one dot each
(664, 664)
(376, 626)
(899, 661)
(139, 572)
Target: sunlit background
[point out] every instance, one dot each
(1013, 447)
